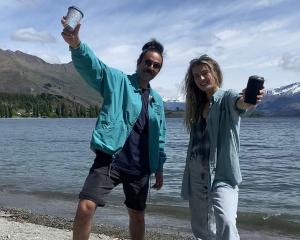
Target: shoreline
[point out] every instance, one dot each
(13, 228)
(21, 224)
(41, 225)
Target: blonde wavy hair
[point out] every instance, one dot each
(195, 99)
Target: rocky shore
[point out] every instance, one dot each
(20, 224)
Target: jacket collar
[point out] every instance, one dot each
(135, 83)
(217, 95)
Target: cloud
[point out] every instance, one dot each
(49, 58)
(268, 3)
(243, 36)
(120, 49)
(227, 34)
(270, 26)
(290, 62)
(19, 3)
(31, 35)
(166, 92)
(27, 2)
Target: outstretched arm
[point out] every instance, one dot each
(245, 106)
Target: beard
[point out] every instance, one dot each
(146, 74)
(149, 72)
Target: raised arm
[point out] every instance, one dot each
(71, 38)
(94, 71)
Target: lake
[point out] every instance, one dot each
(44, 163)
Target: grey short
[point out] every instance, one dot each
(102, 179)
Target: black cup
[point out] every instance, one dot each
(254, 85)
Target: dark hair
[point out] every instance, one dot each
(154, 46)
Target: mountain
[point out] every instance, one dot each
(27, 74)
(174, 104)
(291, 89)
(283, 101)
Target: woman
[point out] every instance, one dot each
(212, 173)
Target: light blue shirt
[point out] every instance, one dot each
(223, 124)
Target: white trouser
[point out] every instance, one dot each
(213, 215)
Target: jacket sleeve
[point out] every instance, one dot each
(162, 137)
(93, 71)
(232, 97)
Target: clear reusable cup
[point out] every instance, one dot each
(254, 85)
(73, 18)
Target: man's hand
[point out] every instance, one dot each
(159, 180)
(72, 38)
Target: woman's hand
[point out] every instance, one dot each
(242, 105)
(260, 96)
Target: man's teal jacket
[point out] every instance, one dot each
(121, 107)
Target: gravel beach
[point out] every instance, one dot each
(19, 224)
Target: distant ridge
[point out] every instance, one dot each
(27, 74)
(282, 102)
(287, 90)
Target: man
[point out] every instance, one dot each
(129, 136)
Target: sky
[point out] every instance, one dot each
(246, 37)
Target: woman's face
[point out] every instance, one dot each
(204, 79)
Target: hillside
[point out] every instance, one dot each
(21, 73)
(27, 74)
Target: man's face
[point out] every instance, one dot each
(149, 66)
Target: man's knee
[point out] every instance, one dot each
(136, 215)
(86, 209)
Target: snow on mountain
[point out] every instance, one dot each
(290, 89)
(282, 101)
(177, 103)
(179, 98)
